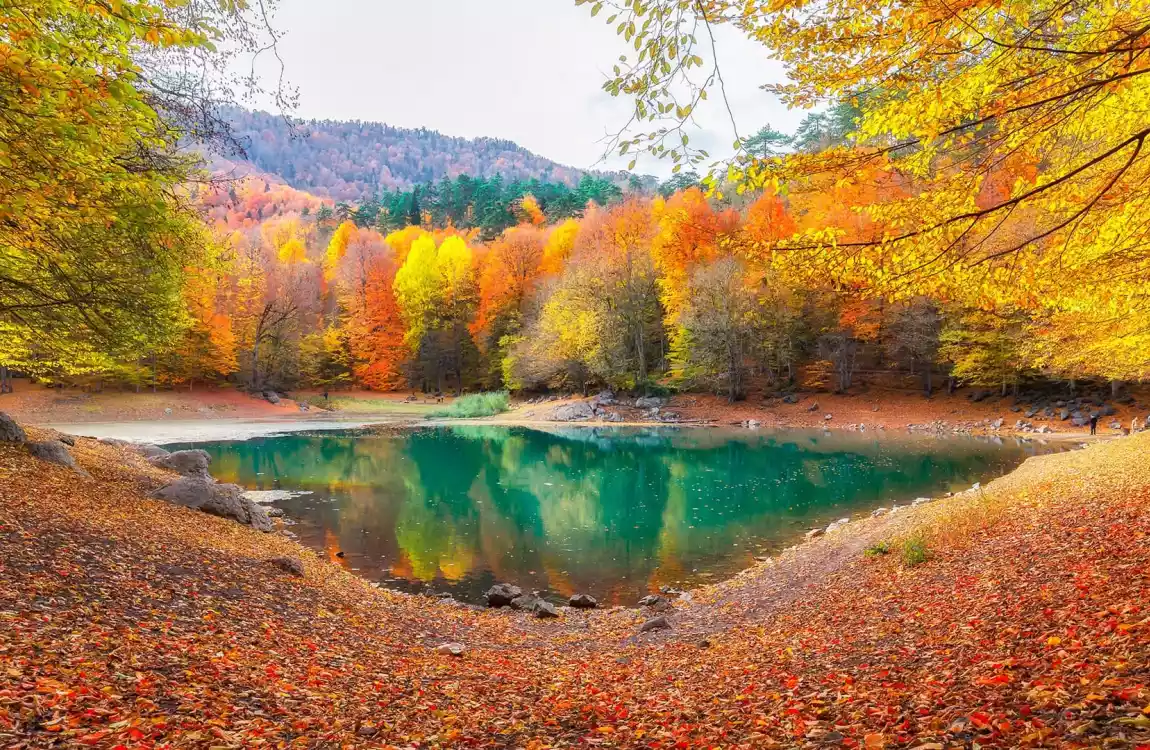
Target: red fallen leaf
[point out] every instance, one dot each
(92, 739)
(999, 679)
(135, 734)
(980, 719)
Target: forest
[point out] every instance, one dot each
(991, 255)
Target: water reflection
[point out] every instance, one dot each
(613, 512)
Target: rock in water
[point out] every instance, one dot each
(655, 623)
(224, 500)
(10, 432)
(545, 610)
(502, 594)
(650, 600)
(451, 649)
(54, 452)
(291, 565)
(193, 463)
(583, 601)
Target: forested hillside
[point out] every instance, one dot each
(353, 161)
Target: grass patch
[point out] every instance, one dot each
(475, 405)
(915, 551)
(877, 550)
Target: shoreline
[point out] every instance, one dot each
(83, 557)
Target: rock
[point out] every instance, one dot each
(526, 602)
(545, 610)
(651, 600)
(502, 594)
(575, 412)
(996, 424)
(1064, 414)
(837, 525)
(274, 512)
(979, 396)
(752, 424)
(1080, 420)
(791, 398)
(1031, 412)
(670, 591)
(68, 440)
(1016, 409)
(976, 486)
(921, 500)
(583, 601)
(272, 397)
(813, 533)
(879, 512)
(291, 565)
(10, 432)
(613, 416)
(828, 417)
(114, 442)
(224, 500)
(603, 398)
(451, 649)
(1044, 429)
(147, 450)
(655, 623)
(813, 407)
(1107, 411)
(168, 411)
(191, 463)
(53, 451)
(649, 402)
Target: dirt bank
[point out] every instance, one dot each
(125, 621)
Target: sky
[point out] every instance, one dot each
(529, 71)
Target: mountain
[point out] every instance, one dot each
(352, 161)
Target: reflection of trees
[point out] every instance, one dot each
(587, 509)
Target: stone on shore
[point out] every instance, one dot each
(190, 463)
(224, 500)
(502, 594)
(10, 431)
(655, 623)
(583, 601)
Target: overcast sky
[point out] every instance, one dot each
(526, 70)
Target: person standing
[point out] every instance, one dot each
(1093, 424)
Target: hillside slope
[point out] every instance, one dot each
(352, 161)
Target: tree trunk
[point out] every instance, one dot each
(929, 385)
(1115, 388)
(154, 371)
(950, 385)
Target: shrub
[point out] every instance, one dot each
(880, 548)
(475, 405)
(914, 551)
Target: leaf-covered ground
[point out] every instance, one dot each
(127, 622)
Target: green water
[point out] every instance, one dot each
(615, 513)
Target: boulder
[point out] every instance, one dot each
(1031, 412)
(526, 602)
(996, 424)
(1107, 411)
(272, 397)
(191, 463)
(68, 440)
(655, 623)
(837, 525)
(791, 398)
(451, 649)
(224, 500)
(1080, 420)
(649, 402)
(502, 594)
(291, 565)
(10, 432)
(1064, 414)
(879, 512)
(603, 398)
(576, 412)
(651, 600)
(53, 451)
(813, 533)
(545, 610)
(583, 601)
(149, 451)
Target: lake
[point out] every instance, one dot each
(614, 512)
